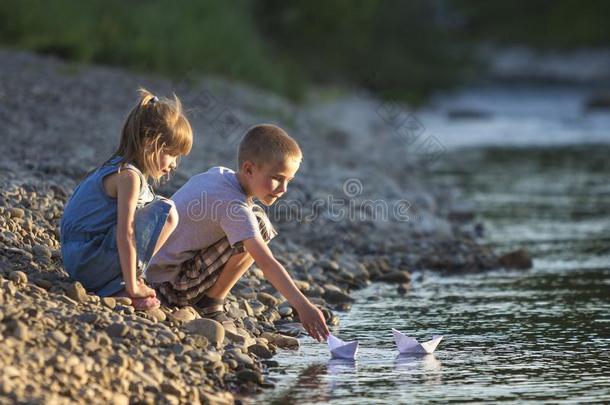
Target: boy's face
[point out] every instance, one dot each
(269, 181)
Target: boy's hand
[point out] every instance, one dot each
(313, 322)
(311, 317)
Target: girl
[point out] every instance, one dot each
(113, 223)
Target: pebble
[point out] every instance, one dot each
(42, 251)
(21, 331)
(18, 277)
(123, 300)
(337, 297)
(286, 342)
(212, 357)
(240, 356)
(16, 212)
(303, 286)
(117, 330)
(396, 277)
(285, 311)
(157, 314)
(89, 317)
(59, 337)
(209, 328)
(248, 375)
(267, 299)
(119, 399)
(109, 302)
(42, 283)
(77, 292)
(185, 314)
(260, 351)
(172, 388)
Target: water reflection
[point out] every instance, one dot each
(320, 381)
(425, 368)
(540, 335)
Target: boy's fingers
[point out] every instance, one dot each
(313, 332)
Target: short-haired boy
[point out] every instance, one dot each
(221, 231)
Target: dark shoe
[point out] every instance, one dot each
(213, 308)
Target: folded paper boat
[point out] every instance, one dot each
(340, 349)
(408, 344)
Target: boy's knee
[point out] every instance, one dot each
(172, 217)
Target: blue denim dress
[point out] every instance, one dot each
(88, 231)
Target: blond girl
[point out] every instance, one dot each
(113, 223)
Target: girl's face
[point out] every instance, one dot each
(166, 162)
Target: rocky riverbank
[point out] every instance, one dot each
(59, 344)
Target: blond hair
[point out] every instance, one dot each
(154, 125)
(267, 143)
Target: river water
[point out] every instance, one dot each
(536, 335)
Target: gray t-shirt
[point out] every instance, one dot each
(210, 206)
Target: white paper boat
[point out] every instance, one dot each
(408, 344)
(340, 349)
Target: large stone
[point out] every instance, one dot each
(157, 314)
(518, 259)
(122, 300)
(396, 277)
(285, 311)
(77, 292)
(212, 330)
(267, 299)
(249, 376)
(286, 342)
(337, 297)
(109, 302)
(302, 285)
(16, 212)
(240, 338)
(18, 277)
(283, 341)
(260, 351)
(185, 314)
(21, 331)
(59, 337)
(246, 307)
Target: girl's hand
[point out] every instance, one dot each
(313, 322)
(141, 290)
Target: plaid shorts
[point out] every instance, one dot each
(198, 274)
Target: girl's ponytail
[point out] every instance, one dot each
(154, 125)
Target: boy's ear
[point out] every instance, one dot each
(247, 167)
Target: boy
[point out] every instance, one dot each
(221, 232)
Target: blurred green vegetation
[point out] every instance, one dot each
(399, 49)
(545, 24)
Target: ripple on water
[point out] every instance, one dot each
(536, 335)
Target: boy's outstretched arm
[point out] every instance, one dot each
(311, 317)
